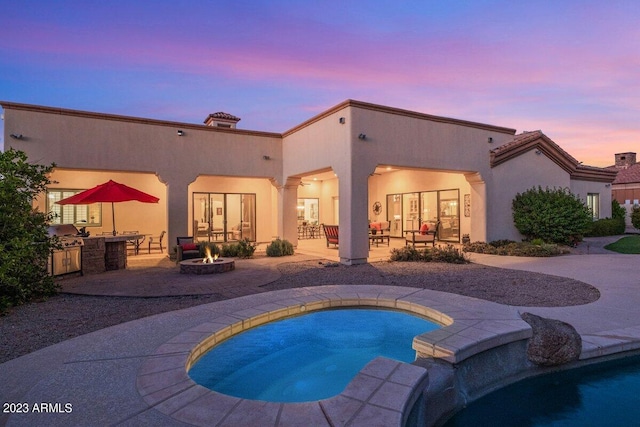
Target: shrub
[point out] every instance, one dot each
(635, 216)
(617, 211)
(448, 254)
(537, 242)
(229, 250)
(246, 248)
(606, 227)
(480, 248)
(516, 249)
(503, 242)
(279, 248)
(556, 215)
(24, 243)
(408, 253)
(240, 249)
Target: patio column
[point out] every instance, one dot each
(177, 209)
(353, 232)
(478, 207)
(287, 215)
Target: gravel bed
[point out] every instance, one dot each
(37, 325)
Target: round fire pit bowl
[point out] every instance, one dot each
(196, 266)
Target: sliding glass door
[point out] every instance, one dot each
(409, 210)
(224, 217)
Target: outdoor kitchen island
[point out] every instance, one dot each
(106, 253)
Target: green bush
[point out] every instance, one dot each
(606, 227)
(279, 248)
(448, 254)
(540, 249)
(537, 242)
(617, 211)
(556, 216)
(246, 248)
(480, 248)
(229, 250)
(407, 253)
(25, 246)
(635, 216)
(241, 249)
(498, 243)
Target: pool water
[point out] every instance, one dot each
(606, 394)
(309, 357)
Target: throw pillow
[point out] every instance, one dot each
(189, 247)
(424, 228)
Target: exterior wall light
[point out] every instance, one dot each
(538, 152)
(266, 157)
(362, 136)
(180, 133)
(16, 136)
(490, 140)
(342, 120)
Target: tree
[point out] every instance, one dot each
(635, 216)
(25, 246)
(553, 215)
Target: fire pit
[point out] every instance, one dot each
(196, 266)
(208, 265)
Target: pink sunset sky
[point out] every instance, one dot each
(569, 68)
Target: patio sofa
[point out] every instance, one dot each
(428, 233)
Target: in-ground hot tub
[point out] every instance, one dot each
(309, 357)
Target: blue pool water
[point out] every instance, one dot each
(309, 357)
(606, 394)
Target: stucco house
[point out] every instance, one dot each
(354, 163)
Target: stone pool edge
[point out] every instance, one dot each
(384, 391)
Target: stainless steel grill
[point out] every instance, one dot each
(69, 258)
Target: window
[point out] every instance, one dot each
(593, 202)
(307, 210)
(82, 215)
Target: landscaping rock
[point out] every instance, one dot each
(553, 342)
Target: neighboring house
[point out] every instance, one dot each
(354, 163)
(625, 188)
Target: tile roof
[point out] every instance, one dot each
(628, 175)
(537, 140)
(222, 115)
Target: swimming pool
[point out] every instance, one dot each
(604, 394)
(309, 357)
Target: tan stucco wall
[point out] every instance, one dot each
(582, 188)
(433, 154)
(516, 176)
(91, 141)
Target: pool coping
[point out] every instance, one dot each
(383, 391)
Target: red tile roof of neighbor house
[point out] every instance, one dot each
(627, 176)
(537, 140)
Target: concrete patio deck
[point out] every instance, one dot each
(102, 374)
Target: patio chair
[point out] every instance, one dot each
(156, 241)
(428, 233)
(331, 234)
(187, 248)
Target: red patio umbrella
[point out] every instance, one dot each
(109, 192)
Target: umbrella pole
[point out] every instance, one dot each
(113, 218)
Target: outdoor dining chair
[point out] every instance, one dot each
(156, 241)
